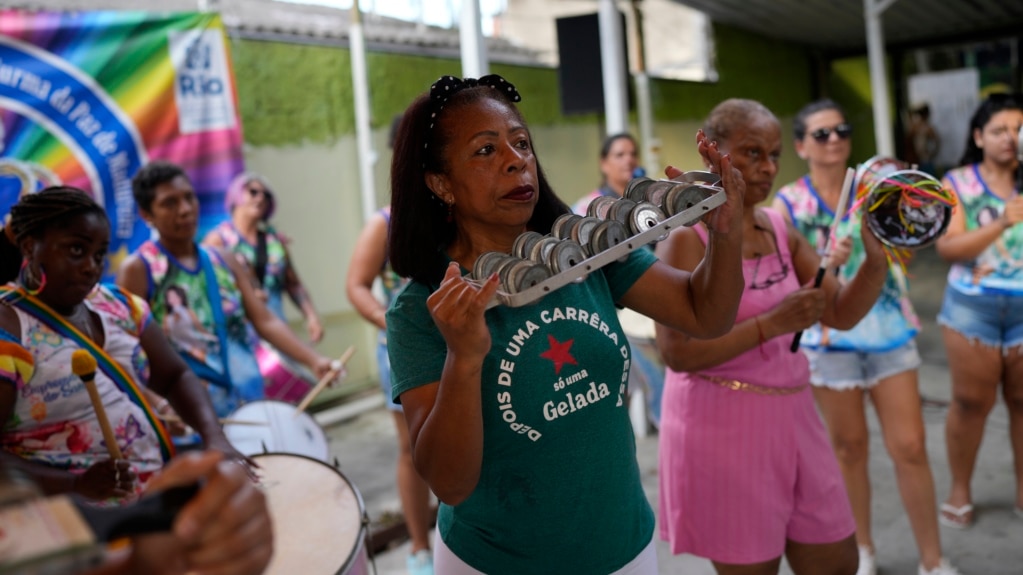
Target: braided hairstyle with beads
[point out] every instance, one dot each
(36, 213)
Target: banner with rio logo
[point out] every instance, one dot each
(87, 98)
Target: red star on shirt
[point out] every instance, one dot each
(558, 353)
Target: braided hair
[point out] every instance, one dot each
(36, 213)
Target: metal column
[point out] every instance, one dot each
(612, 64)
(872, 10)
(474, 46)
(363, 131)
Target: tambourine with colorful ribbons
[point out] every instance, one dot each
(905, 208)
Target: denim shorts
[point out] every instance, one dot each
(992, 320)
(843, 370)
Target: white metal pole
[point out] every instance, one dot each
(474, 47)
(872, 10)
(363, 133)
(612, 64)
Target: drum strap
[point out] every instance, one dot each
(36, 308)
(261, 257)
(217, 307)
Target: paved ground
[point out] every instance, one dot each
(365, 447)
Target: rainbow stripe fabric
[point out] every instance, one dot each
(86, 98)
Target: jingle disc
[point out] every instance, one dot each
(542, 249)
(565, 255)
(599, 206)
(636, 188)
(654, 193)
(486, 264)
(582, 229)
(607, 235)
(682, 197)
(620, 211)
(524, 243)
(643, 217)
(523, 275)
(906, 222)
(699, 177)
(562, 226)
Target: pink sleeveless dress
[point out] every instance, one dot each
(742, 471)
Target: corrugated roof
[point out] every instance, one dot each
(839, 24)
(285, 21)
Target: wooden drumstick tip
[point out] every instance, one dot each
(83, 364)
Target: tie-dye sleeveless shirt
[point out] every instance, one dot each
(892, 322)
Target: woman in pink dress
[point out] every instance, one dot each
(746, 470)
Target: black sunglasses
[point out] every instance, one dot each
(256, 192)
(843, 131)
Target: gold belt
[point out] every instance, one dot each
(736, 385)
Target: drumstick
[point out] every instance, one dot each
(221, 421)
(322, 384)
(843, 202)
(84, 366)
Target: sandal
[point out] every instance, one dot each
(956, 517)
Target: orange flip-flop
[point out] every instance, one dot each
(956, 517)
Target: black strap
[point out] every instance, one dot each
(261, 257)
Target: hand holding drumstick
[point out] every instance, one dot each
(90, 483)
(336, 368)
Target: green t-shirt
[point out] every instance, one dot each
(559, 489)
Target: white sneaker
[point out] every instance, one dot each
(867, 564)
(943, 568)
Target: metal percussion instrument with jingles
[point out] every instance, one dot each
(904, 207)
(612, 228)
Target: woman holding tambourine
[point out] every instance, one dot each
(879, 355)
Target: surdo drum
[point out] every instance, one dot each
(319, 518)
(285, 431)
(611, 228)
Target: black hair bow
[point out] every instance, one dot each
(448, 86)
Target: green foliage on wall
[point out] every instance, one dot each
(290, 93)
(774, 72)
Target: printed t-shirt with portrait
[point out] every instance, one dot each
(998, 270)
(559, 489)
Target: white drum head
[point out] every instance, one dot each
(317, 517)
(283, 431)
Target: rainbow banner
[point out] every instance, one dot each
(87, 98)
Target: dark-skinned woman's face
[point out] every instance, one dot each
(72, 255)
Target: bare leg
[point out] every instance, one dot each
(843, 412)
(414, 493)
(839, 558)
(1013, 394)
(897, 401)
(765, 568)
(976, 370)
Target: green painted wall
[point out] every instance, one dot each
(849, 85)
(313, 100)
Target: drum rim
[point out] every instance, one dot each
(290, 406)
(364, 533)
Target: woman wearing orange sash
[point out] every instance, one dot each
(52, 307)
